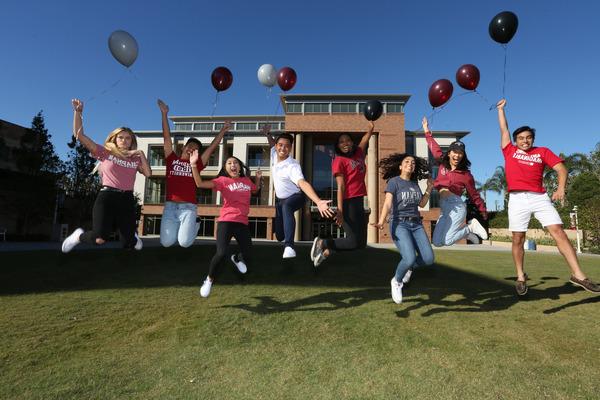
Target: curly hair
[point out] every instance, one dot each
(244, 171)
(390, 166)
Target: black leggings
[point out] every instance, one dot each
(355, 227)
(112, 209)
(225, 231)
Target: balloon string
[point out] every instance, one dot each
(269, 90)
(504, 78)
(103, 92)
(215, 104)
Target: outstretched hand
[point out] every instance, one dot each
(425, 124)
(194, 157)
(163, 107)
(500, 105)
(324, 210)
(77, 105)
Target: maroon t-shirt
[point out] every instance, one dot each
(236, 198)
(354, 170)
(180, 181)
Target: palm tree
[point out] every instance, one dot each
(497, 183)
(575, 163)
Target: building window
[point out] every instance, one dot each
(213, 160)
(258, 156)
(294, 107)
(316, 108)
(206, 196)
(394, 107)
(205, 126)
(258, 227)
(207, 226)
(152, 224)
(434, 199)
(183, 127)
(343, 108)
(228, 151)
(155, 190)
(282, 126)
(156, 156)
(409, 145)
(361, 108)
(326, 229)
(273, 125)
(261, 198)
(245, 126)
(218, 126)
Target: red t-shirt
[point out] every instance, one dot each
(525, 170)
(180, 181)
(236, 198)
(354, 169)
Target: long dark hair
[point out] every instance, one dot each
(244, 171)
(463, 165)
(340, 153)
(390, 166)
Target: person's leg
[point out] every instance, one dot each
(403, 240)
(421, 242)
(224, 235)
(443, 224)
(354, 221)
(188, 228)
(244, 240)
(288, 207)
(102, 219)
(566, 249)
(169, 225)
(519, 214)
(126, 220)
(278, 222)
(457, 229)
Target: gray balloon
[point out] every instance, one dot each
(123, 47)
(267, 75)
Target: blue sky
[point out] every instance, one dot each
(51, 52)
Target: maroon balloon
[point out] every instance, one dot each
(286, 78)
(221, 78)
(440, 92)
(467, 77)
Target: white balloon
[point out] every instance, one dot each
(267, 75)
(123, 47)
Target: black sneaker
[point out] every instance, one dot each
(586, 284)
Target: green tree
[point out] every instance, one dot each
(589, 222)
(36, 155)
(497, 183)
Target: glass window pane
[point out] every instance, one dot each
(218, 126)
(258, 156)
(245, 126)
(262, 197)
(294, 107)
(156, 156)
(183, 127)
(155, 190)
(204, 126)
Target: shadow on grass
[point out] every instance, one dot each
(434, 290)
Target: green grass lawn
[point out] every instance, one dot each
(109, 324)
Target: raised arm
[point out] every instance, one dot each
(504, 132)
(562, 173)
(427, 194)
(364, 142)
(267, 131)
(215, 143)
(257, 182)
(434, 147)
(322, 205)
(385, 210)
(196, 174)
(167, 142)
(78, 126)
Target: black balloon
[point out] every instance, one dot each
(503, 27)
(373, 110)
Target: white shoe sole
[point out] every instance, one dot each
(313, 248)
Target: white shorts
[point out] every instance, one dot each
(522, 204)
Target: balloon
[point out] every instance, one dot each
(286, 78)
(123, 47)
(373, 110)
(467, 77)
(267, 75)
(503, 27)
(221, 78)
(440, 92)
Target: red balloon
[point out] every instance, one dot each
(286, 78)
(221, 78)
(440, 92)
(467, 77)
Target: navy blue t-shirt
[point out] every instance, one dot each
(407, 196)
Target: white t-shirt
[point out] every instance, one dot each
(285, 174)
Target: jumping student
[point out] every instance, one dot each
(180, 211)
(349, 170)
(234, 183)
(524, 166)
(115, 205)
(452, 180)
(403, 197)
(290, 187)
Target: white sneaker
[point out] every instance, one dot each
(313, 249)
(396, 291)
(241, 265)
(139, 244)
(407, 276)
(477, 228)
(205, 289)
(288, 252)
(72, 240)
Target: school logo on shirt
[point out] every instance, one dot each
(239, 187)
(181, 168)
(123, 163)
(527, 159)
(357, 163)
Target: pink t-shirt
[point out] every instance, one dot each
(236, 198)
(180, 181)
(117, 172)
(525, 170)
(354, 169)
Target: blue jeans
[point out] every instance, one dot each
(410, 238)
(450, 227)
(285, 224)
(178, 224)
